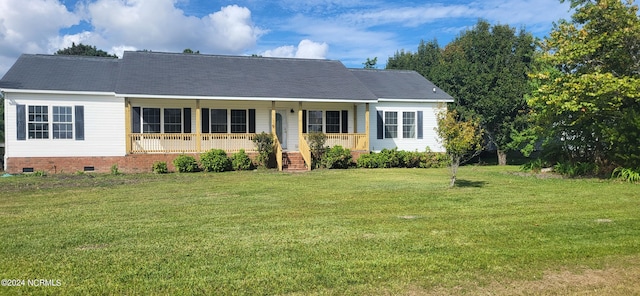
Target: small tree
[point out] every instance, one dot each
(462, 139)
(264, 145)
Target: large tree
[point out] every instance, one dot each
(485, 70)
(84, 50)
(587, 103)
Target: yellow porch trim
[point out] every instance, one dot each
(127, 125)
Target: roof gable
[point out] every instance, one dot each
(400, 85)
(62, 73)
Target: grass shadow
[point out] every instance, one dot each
(467, 183)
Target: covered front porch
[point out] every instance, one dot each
(344, 124)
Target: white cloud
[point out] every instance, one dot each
(27, 25)
(306, 49)
(159, 25)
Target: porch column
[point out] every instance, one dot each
(198, 127)
(273, 117)
(127, 125)
(366, 124)
(299, 123)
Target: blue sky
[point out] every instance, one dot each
(347, 30)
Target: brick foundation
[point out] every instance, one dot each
(132, 163)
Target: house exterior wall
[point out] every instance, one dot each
(103, 126)
(429, 123)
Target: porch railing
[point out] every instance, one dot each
(186, 143)
(278, 150)
(305, 151)
(348, 141)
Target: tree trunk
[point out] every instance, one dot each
(455, 164)
(502, 157)
(453, 181)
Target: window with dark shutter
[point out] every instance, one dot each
(380, 126)
(21, 119)
(205, 120)
(79, 121)
(420, 127)
(252, 120)
(186, 120)
(135, 120)
(345, 121)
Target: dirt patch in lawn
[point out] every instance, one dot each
(608, 281)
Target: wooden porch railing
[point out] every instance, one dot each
(348, 141)
(278, 150)
(228, 142)
(305, 151)
(186, 143)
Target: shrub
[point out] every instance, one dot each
(337, 158)
(627, 175)
(367, 161)
(264, 145)
(316, 145)
(185, 164)
(215, 160)
(576, 169)
(434, 159)
(535, 166)
(240, 161)
(160, 167)
(114, 170)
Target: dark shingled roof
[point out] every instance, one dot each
(195, 75)
(400, 85)
(179, 74)
(63, 73)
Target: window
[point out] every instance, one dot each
(333, 122)
(238, 121)
(391, 124)
(315, 121)
(408, 125)
(219, 121)
(62, 123)
(172, 120)
(151, 120)
(38, 122)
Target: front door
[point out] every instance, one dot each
(281, 128)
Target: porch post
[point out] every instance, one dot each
(273, 117)
(127, 125)
(366, 124)
(198, 127)
(299, 123)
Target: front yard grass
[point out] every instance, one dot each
(367, 232)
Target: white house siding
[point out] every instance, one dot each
(413, 144)
(104, 127)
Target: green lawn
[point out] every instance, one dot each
(368, 232)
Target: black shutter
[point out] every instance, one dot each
(252, 121)
(304, 121)
(345, 121)
(135, 120)
(186, 120)
(205, 120)
(420, 131)
(79, 123)
(380, 126)
(21, 119)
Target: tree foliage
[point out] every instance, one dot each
(461, 138)
(587, 102)
(370, 63)
(84, 50)
(485, 70)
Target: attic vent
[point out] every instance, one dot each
(27, 170)
(89, 169)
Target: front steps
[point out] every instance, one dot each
(293, 161)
